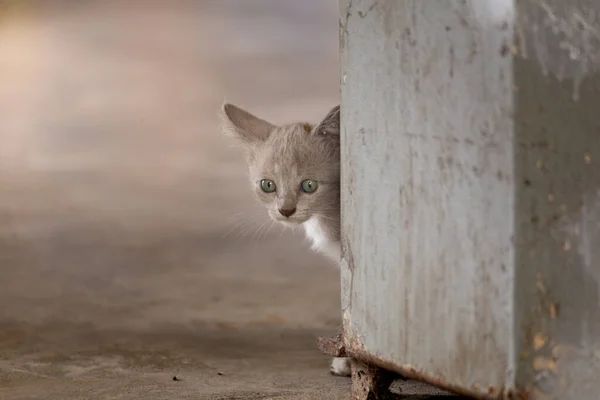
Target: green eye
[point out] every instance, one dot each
(267, 186)
(308, 186)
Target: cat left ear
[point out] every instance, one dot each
(244, 126)
(330, 124)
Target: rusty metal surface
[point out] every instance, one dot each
(370, 382)
(471, 201)
(414, 374)
(332, 346)
(428, 177)
(557, 195)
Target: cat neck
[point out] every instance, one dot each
(324, 234)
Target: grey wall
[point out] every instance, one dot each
(471, 200)
(557, 156)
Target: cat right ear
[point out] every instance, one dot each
(330, 124)
(244, 126)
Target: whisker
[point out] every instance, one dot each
(258, 230)
(236, 215)
(263, 236)
(239, 225)
(242, 225)
(273, 223)
(248, 228)
(256, 236)
(246, 231)
(230, 230)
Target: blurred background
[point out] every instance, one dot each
(131, 247)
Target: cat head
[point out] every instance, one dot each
(294, 168)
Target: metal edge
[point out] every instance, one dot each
(409, 371)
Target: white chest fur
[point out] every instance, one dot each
(320, 240)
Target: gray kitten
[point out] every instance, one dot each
(295, 173)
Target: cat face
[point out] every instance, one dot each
(294, 169)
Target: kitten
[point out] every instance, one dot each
(295, 173)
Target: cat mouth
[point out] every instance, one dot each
(289, 221)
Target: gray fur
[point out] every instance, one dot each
(288, 155)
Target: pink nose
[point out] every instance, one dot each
(287, 212)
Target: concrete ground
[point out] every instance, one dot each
(131, 249)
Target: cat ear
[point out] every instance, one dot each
(244, 126)
(330, 124)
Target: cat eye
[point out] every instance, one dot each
(308, 186)
(267, 186)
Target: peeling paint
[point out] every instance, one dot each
(564, 38)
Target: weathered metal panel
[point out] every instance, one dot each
(428, 186)
(471, 204)
(557, 156)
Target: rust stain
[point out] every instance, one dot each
(539, 341)
(539, 164)
(537, 394)
(558, 351)
(355, 349)
(332, 346)
(410, 372)
(370, 382)
(521, 394)
(541, 363)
